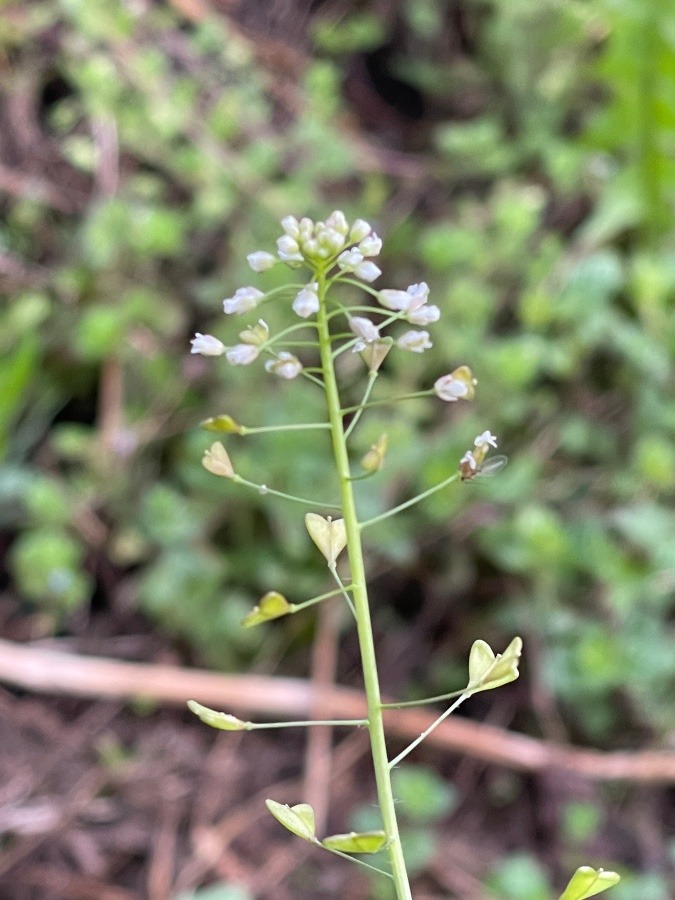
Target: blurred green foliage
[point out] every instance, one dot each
(537, 203)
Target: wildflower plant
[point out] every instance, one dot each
(338, 257)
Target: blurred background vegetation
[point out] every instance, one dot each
(518, 156)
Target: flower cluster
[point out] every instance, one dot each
(337, 251)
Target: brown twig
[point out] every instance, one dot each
(52, 672)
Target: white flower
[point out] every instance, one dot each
(306, 302)
(288, 249)
(291, 226)
(371, 245)
(364, 328)
(409, 300)
(306, 228)
(242, 354)
(359, 230)
(367, 271)
(415, 341)
(260, 261)
(350, 259)
(245, 298)
(207, 345)
(332, 240)
(337, 221)
(485, 439)
(458, 385)
(424, 315)
(284, 366)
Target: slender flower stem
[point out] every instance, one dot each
(343, 589)
(258, 726)
(411, 502)
(427, 731)
(300, 426)
(387, 401)
(296, 607)
(372, 377)
(360, 596)
(263, 489)
(401, 704)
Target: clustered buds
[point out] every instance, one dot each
(335, 251)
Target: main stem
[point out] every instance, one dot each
(360, 596)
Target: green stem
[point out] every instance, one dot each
(387, 401)
(360, 597)
(296, 607)
(411, 502)
(257, 726)
(372, 376)
(401, 704)
(427, 731)
(263, 489)
(301, 426)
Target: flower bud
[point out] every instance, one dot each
(371, 245)
(242, 354)
(367, 271)
(207, 345)
(288, 249)
(359, 230)
(306, 302)
(424, 315)
(350, 259)
(245, 299)
(409, 300)
(284, 366)
(337, 221)
(415, 341)
(291, 226)
(364, 328)
(458, 385)
(374, 458)
(260, 261)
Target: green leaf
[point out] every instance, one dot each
(298, 819)
(356, 842)
(587, 882)
(219, 720)
(224, 424)
(272, 606)
(487, 671)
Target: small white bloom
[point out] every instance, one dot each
(359, 347)
(458, 385)
(409, 300)
(242, 354)
(291, 226)
(371, 245)
(424, 315)
(415, 341)
(337, 221)
(367, 271)
(485, 439)
(260, 261)
(288, 249)
(364, 328)
(306, 302)
(359, 230)
(245, 298)
(350, 259)
(207, 345)
(284, 366)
